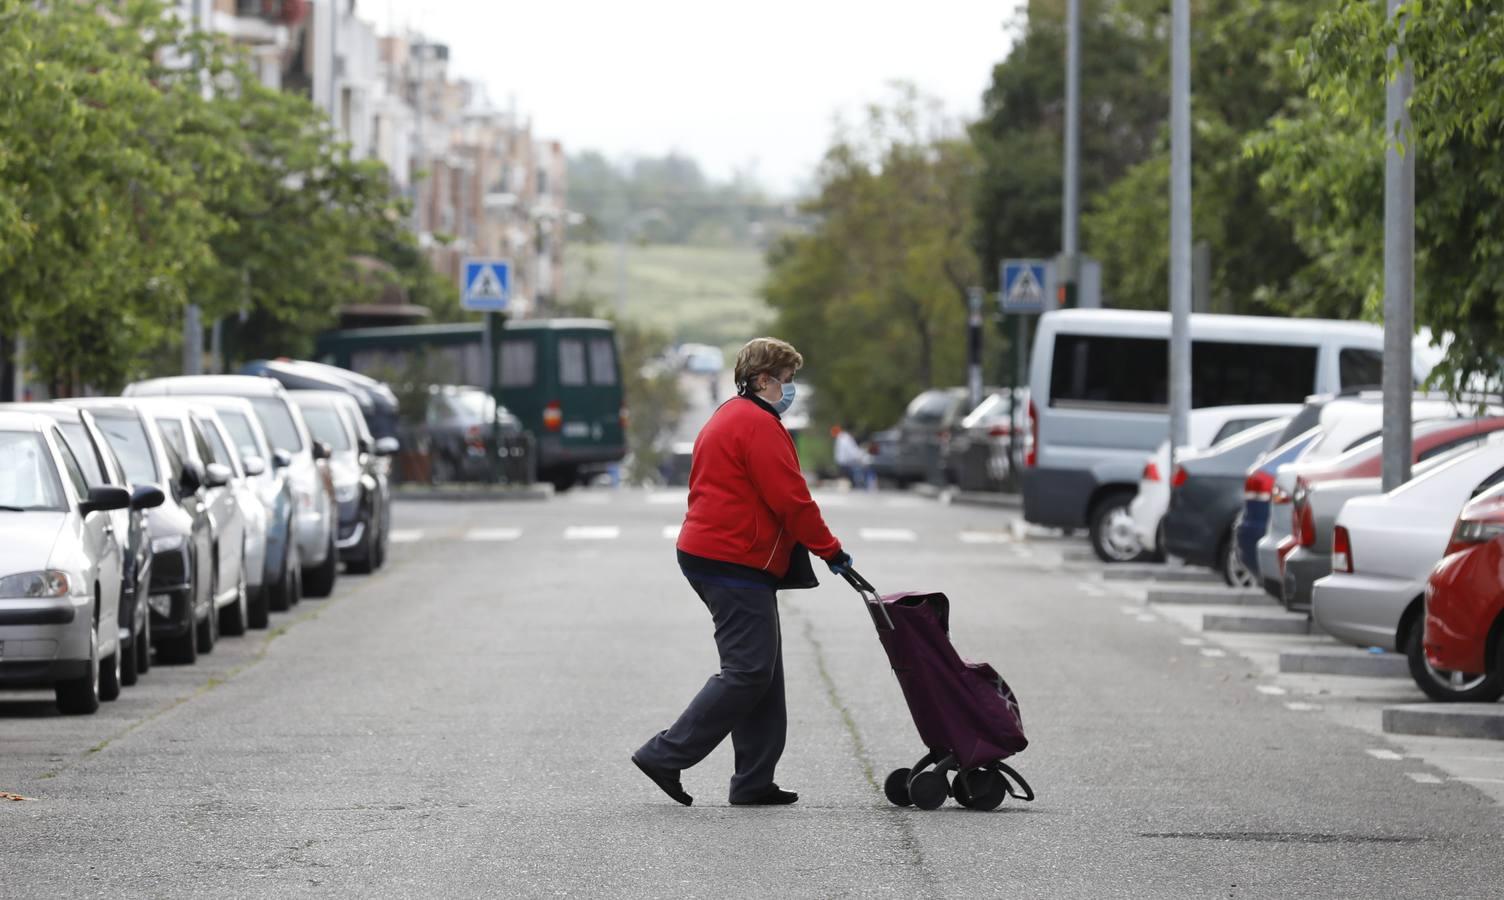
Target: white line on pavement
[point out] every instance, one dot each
(1423, 778)
(985, 537)
(1384, 754)
(406, 535)
(493, 534)
(592, 533)
(1272, 690)
(1192, 642)
(671, 532)
(668, 497)
(1298, 706)
(1147, 618)
(1213, 652)
(892, 535)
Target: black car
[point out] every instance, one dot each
(180, 601)
(1206, 495)
(101, 467)
(378, 405)
(458, 426)
(924, 434)
(358, 465)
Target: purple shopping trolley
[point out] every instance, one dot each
(965, 713)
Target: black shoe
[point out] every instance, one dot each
(772, 795)
(667, 779)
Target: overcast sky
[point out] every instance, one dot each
(730, 84)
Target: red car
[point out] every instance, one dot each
(1464, 601)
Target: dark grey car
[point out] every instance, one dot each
(1206, 495)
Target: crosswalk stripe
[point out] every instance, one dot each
(493, 534)
(406, 535)
(592, 533)
(888, 534)
(985, 537)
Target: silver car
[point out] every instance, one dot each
(315, 517)
(60, 569)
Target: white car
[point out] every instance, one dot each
(60, 569)
(1383, 549)
(1208, 427)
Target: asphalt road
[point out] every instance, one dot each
(459, 725)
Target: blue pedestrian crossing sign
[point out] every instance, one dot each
(1028, 286)
(487, 285)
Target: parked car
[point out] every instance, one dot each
(316, 515)
(1463, 639)
(276, 583)
(1345, 423)
(1206, 496)
(923, 435)
(185, 425)
(378, 405)
(101, 468)
(375, 458)
(361, 495)
(976, 457)
(1099, 385)
(179, 600)
(458, 420)
(882, 448)
(1258, 487)
(1208, 428)
(1383, 550)
(60, 569)
(1321, 492)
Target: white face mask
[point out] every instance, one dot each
(787, 400)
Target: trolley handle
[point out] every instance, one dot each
(875, 606)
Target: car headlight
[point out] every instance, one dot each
(167, 543)
(344, 493)
(33, 585)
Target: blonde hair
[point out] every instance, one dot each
(765, 355)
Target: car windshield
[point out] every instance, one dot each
(241, 432)
(325, 425)
(277, 421)
(28, 476)
(128, 439)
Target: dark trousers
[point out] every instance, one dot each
(744, 700)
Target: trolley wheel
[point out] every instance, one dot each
(896, 788)
(982, 790)
(928, 790)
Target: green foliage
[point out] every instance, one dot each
(1326, 158)
(874, 295)
(142, 167)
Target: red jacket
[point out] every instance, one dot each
(748, 502)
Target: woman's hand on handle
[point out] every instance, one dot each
(840, 563)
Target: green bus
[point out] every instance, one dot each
(560, 377)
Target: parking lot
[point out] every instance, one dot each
(460, 722)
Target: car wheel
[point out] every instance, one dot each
(208, 628)
(142, 643)
(127, 656)
(234, 618)
(1233, 571)
(1112, 536)
(1448, 687)
(383, 542)
(365, 562)
(109, 676)
(80, 696)
(319, 581)
(280, 595)
(182, 649)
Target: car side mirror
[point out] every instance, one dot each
(193, 476)
(321, 450)
(217, 475)
(105, 497)
(147, 496)
(363, 445)
(254, 465)
(387, 446)
(281, 459)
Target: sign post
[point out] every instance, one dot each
(974, 345)
(487, 287)
(1027, 287)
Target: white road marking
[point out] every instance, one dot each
(406, 535)
(1192, 642)
(1384, 754)
(1272, 690)
(1423, 778)
(1213, 652)
(592, 533)
(891, 535)
(671, 532)
(1299, 706)
(1146, 618)
(669, 497)
(985, 537)
(493, 534)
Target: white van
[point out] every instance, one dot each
(1100, 388)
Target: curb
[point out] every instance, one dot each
(1154, 572)
(1256, 623)
(474, 494)
(982, 498)
(1193, 594)
(1356, 663)
(1463, 720)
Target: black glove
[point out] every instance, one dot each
(839, 563)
